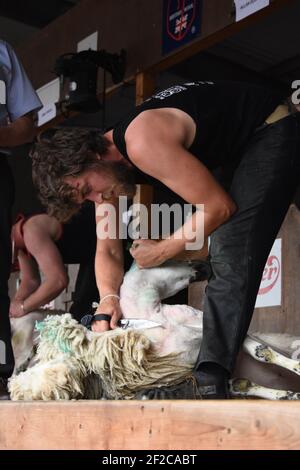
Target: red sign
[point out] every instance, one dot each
(270, 275)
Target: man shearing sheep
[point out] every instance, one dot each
(177, 138)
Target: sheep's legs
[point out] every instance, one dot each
(246, 388)
(266, 354)
(145, 288)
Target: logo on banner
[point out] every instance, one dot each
(181, 22)
(269, 293)
(270, 275)
(180, 17)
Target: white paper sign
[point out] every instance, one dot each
(47, 113)
(90, 42)
(245, 8)
(2, 92)
(49, 93)
(269, 294)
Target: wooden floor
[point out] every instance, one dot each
(134, 425)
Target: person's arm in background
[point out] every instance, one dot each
(50, 262)
(30, 276)
(109, 271)
(21, 100)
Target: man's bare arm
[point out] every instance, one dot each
(154, 150)
(109, 270)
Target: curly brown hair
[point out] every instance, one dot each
(70, 152)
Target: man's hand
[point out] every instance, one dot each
(16, 309)
(109, 306)
(147, 253)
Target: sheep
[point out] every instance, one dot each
(73, 362)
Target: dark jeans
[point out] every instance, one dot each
(262, 186)
(6, 202)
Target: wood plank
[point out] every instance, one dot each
(193, 425)
(145, 85)
(219, 24)
(284, 318)
(135, 25)
(138, 25)
(197, 294)
(144, 62)
(144, 195)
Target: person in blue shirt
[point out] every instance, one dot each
(19, 102)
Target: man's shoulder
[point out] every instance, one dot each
(5, 49)
(139, 125)
(6, 57)
(161, 123)
(149, 121)
(4, 45)
(4, 54)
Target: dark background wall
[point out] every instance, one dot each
(266, 52)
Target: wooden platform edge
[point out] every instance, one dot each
(142, 425)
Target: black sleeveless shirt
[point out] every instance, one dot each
(226, 115)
